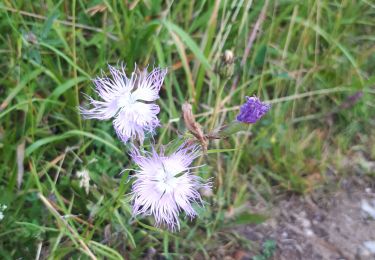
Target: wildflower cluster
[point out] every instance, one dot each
(165, 185)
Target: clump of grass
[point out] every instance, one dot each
(307, 58)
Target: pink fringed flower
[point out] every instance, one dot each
(165, 185)
(128, 101)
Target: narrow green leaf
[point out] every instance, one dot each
(190, 43)
(65, 86)
(249, 218)
(26, 79)
(41, 142)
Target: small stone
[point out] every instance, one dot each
(363, 253)
(368, 208)
(370, 245)
(309, 232)
(305, 223)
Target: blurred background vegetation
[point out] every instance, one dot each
(312, 60)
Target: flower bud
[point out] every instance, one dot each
(225, 68)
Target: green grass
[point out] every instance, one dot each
(307, 59)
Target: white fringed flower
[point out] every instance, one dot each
(128, 101)
(165, 185)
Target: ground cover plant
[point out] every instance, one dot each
(64, 181)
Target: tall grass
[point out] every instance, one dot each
(307, 58)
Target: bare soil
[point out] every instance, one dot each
(322, 225)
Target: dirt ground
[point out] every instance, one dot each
(322, 225)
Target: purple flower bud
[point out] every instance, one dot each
(252, 110)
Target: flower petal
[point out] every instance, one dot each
(120, 80)
(142, 114)
(132, 121)
(148, 87)
(102, 110)
(110, 90)
(126, 129)
(185, 155)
